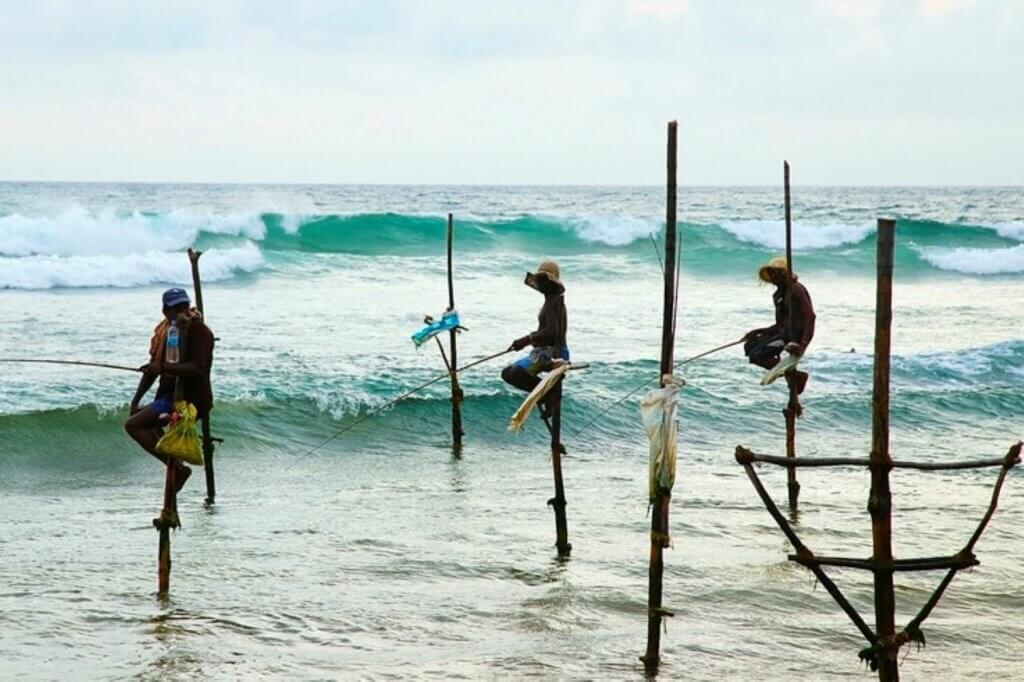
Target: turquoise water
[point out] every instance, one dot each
(381, 555)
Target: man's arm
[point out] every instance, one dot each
(145, 383)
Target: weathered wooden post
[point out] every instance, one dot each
(880, 500)
(659, 515)
(208, 441)
(457, 432)
(793, 409)
(558, 501)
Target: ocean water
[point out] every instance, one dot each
(382, 555)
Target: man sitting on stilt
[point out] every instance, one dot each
(548, 341)
(167, 362)
(791, 334)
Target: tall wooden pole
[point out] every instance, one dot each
(880, 501)
(793, 408)
(457, 432)
(168, 519)
(558, 501)
(208, 443)
(659, 515)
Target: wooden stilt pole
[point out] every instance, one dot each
(208, 440)
(168, 519)
(793, 409)
(558, 501)
(457, 431)
(880, 500)
(659, 515)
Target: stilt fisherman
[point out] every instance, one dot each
(549, 340)
(790, 333)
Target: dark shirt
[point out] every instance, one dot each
(196, 390)
(802, 330)
(553, 323)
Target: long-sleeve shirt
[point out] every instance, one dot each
(552, 324)
(802, 330)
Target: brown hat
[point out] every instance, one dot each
(777, 263)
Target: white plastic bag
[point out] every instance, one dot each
(658, 412)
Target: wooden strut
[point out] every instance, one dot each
(168, 519)
(457, 394)
(208, 439)
(659, 515)
(558, 501)
(884, 642)
(793, 410)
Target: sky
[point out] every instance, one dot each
(852, 92)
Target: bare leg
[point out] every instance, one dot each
(145, 427)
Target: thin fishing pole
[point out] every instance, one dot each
(79, 363)
(650, 381)
(388, 404)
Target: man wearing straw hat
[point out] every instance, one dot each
(791, 334)
(549, 340)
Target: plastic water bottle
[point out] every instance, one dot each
(171, 354)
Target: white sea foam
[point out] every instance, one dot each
(976, 261)
(50, 271)
(772, 233)
(1014, 230)
(613, 230)
(77, 232)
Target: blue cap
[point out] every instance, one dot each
(174, 297)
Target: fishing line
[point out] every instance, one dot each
(388, 404)
(657, 252)
(74, 362)
(649, 381)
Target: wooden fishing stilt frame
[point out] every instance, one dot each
(208, 440)
(660, 538)
(883, 640)
(793, 410)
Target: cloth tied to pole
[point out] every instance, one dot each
(448, 322)
(549, 381)
(658, 413)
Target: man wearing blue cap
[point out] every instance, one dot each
(167, 361)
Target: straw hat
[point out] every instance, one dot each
(777, 263)
(549, 269)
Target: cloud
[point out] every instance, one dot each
(859, 10)
(938, 8)
(666, 10)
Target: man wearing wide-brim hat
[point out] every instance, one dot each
(790, 333)
(549, 340)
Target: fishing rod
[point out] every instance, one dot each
(646, 383)
(73, 362)
(388, 404)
